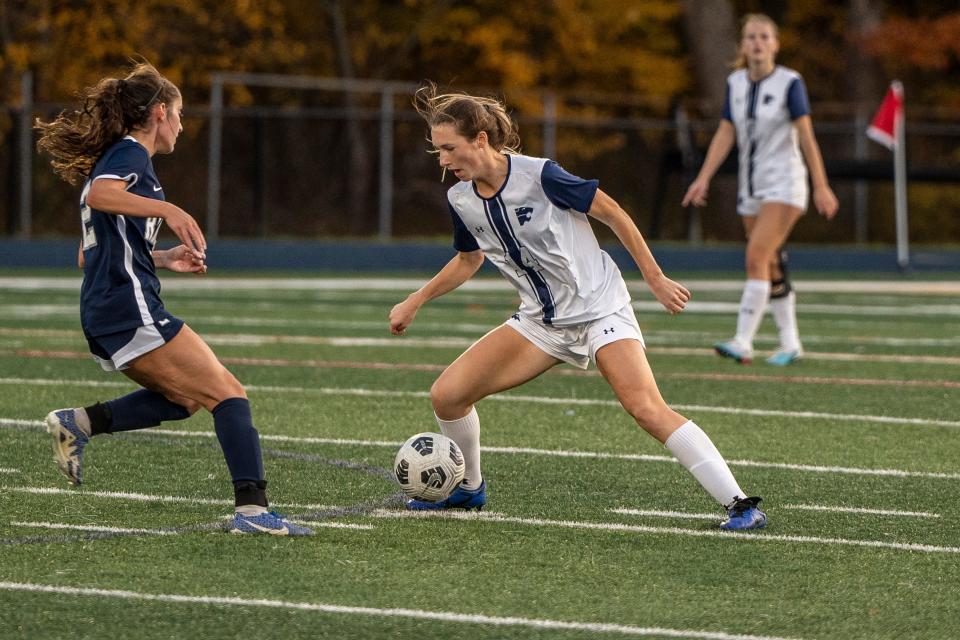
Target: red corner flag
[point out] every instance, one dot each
(889, 116)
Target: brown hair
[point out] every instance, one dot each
(469, 115)
(108, 111)
(741, 60)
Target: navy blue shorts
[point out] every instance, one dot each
(114, 351)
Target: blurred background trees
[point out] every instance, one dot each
(604, 58)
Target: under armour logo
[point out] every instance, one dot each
(479, 230)
(523, 214)
(515, 316)
(606, 331)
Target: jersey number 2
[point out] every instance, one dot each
(86, 218)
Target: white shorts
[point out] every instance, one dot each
(578, 344)
(747, 206)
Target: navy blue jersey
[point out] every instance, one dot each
(120, 287)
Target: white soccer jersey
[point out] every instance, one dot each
(534, 230)
(763, 112)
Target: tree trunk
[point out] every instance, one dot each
(711, 28)
(358, 184)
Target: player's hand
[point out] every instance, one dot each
(672, 295)
(182, 259)
(696, 193)
(402, 315)
(826, 202)
(187, 229)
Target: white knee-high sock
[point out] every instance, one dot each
(784, 312)
(753, 303)
(696, 452)
(466, 433)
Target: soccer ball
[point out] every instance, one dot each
(429, 466)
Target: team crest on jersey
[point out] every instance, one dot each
(523, 214)
(767, 98)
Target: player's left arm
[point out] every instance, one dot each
(823, 197)
(180, 259)
(672, 295)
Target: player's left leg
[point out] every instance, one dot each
(783, 307)
(500, 360)
(766, 233)
(624, 365)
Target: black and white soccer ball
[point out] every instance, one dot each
(428, 467)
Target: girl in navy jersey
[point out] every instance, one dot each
(108, 144)
(767, 114)
(529, 217)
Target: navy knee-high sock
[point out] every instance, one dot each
(241, 449)
(141, 409)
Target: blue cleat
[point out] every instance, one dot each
(735, 351)
(743, 515)
(270, 522)
(68, 443)
(784, 357)
(460, 499)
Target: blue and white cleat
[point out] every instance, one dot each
(783, 357)
(460, 499)
(68, 443)
(743, 515)
(270, 522)
(735, 351)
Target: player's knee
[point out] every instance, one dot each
(445, 398)
(780, 286)
(645, 409)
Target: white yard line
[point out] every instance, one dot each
(560, 453)
(9, 470)
(415, 614)
(696, 533)
(893, 286)
(803, 507)
(91, 527)
(858, 510)
(512, 397)
(144, 497)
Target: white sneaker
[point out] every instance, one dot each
(734, 350)
(783, 356)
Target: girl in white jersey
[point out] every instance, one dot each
(768, 115)
(529, 217)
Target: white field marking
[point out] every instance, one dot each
(635, 457)
(90, 527)
(447, 342)
(636, 528)
(9, 470)
(666, 514)
(658, 337)
(416, 614)
(878, 512)
(932, 287)
(706, 307)
(804, 507)
(885, 311)
(335, 525)
(381, 393)
(143, 497)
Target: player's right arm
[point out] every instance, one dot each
(460, 269)
(720, 147)
(111, 196)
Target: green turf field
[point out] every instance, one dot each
(591, 530)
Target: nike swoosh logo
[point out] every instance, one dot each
(276, 532)
(158, 188)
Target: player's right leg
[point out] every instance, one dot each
(185, 371)
(500, 360)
